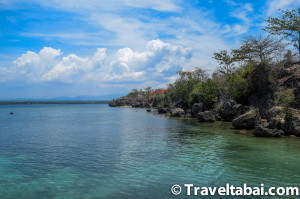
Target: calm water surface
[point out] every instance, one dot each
(93, 151)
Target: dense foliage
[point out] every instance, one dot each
(287, 25)
(285, 98)
(181, 89)
(204, 92)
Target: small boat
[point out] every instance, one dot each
(11, 113)
(148, 110)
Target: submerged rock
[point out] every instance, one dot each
(177, 112)
(260, 131)
(247, 121)
(206, 116)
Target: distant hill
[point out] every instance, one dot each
(88, 98)
(64, 98)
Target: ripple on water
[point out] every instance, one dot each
(93, 151)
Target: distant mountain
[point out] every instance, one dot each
(63, 98)
(84, 98)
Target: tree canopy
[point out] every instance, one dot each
(287, 25)
(259, 48)
(226, 61)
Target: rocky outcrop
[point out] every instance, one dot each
(290, 78)
(177, 112)
(247, 121)
(275, 117)
(112, 103)
(162, 110)
(136, 104)
(206, 116)
(230, 110)
(291, 126)
(179, 104)
(277, 126)
(275, 123)
(274, 112)
(226, 109)
(123, 101)
(239, 109)
(197, 108)
(188, 113)
(261, 131)
(262, 88)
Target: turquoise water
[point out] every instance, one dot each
(93, 152)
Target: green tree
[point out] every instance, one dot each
(204, 92)
(133, 93)
(148, 91)
(285, 98)
(287, 25)
(183, 86)
(226, 61)
(237, 83)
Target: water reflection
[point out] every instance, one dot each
(93, 151)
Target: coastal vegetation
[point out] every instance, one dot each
(256, 86)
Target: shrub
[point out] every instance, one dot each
(167, 100)
(136, 93)
(285, 98)
(184, 85)
(237, 83)
(159, 100)
(205, 92)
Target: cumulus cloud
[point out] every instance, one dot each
(158, 56)
(126, 65)
(32, 65)
(73, 65)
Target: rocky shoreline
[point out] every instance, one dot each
(260, 115)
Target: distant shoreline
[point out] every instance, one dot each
(24, 102)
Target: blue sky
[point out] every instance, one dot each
(97, 47)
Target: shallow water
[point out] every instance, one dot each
(94, 151)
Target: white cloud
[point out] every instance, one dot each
(126, 66)
(242, 12)
(157, 58)
(33, 64)
(275, 5)
(73, 65)
(166, 5)
(113, 25)
(98, 5)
